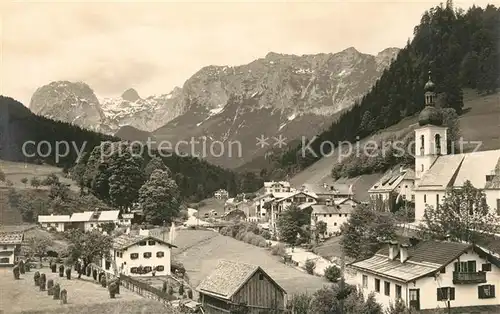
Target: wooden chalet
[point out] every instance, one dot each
(233, 285)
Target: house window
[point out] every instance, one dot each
(437, 201)
(146, 254)
(422, 168)
(425, 198)
(147, 269)
(465, 267)
(334, 223)
(324, 215)
(133, 270)
(498, 206)
(340, 215)
(134, 255)
(160, 268)
(91, 225)
(151, 242)
(377, 285)
(446, 293)
(443, 270)
(486, 291)
(142, 243)
(160, 254)
(5, 247)
(398, 292)
(387, 288)
(330, 215)
(261, 276)
(107, 265)
(413, 197)
(365, 281)
(486, 267)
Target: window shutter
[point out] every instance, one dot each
(456, 266)
(471, 266)
(492, 289)
(480, 293)
(439, 294)
(452, 293)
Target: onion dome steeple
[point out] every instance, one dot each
(430, 115)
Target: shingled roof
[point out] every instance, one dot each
(228, 278)
(424, 258)
(11, 238)
(126, 240)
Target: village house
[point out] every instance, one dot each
(334, 214)
(58, 222)
(278, 187)
(85, 221)
(221, 194)
(139, 255)
(395, 187)
(332, 191)
(281, 204)
(10, 246)
(429, 274)
(436, 171)
(233, 285)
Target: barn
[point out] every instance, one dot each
(239, 287)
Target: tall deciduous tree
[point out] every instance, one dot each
(126, 178)
(89, 247)
(364, 232)
(290, 224)
(156, 163)
(37, 245)
(463, 215)
(159, 198)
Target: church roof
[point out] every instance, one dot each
(454, 170)
(430, 115)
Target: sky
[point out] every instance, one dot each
(155, 46)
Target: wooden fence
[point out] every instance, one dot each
(145, 290)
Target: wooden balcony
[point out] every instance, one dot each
(469, 278)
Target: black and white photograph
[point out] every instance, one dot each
(250, 157)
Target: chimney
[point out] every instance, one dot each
(403, 252)
(393, 250)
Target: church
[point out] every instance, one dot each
(436, 170)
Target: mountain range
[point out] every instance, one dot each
(280, 94)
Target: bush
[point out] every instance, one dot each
(42, 282)
(103, 281)
(164, 287)
(36, 278)
(64, 296)
(332, 273)
(21, 266)
(50, 287)
(310, 265)
(278, 249)
(266, 234)
(112, 288)
(56, 291)
(61, 271)
(16, 272)
(68, 273)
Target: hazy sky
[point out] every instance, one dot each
(155, 46)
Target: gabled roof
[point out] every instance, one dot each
(127, 240)
(391, 179)
(423, 259)
(274, 183)
(53, 218)
(81, 217)
(297, 193)
(11, 238)
(109, 215)
(332, 209)
(228, 278)
(453, 170)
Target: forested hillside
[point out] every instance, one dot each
(196, 178)
(460, 48)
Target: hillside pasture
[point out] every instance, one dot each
(200, 251)
(23, 296)
(15, 171)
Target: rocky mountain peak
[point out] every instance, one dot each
(131, 95)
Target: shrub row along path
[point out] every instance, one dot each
(22, 295)
(206, 248)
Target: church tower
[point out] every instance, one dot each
(430, 137)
